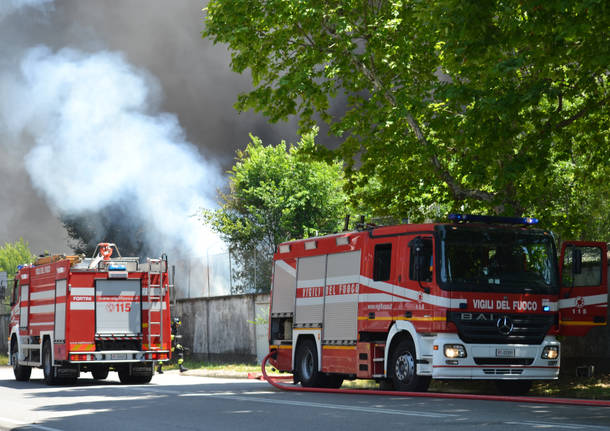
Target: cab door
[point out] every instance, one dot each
(413, 296)
(583, 300)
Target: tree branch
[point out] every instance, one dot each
(458, 191)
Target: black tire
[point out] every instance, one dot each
(333, 381)
(47, 365)
(513, 387)
(403, 369)
(100, 373)
(129, 379)
(307, 365)
(22, 372)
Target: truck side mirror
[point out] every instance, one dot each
(576, 261)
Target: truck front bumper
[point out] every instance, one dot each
(494, 361)
(117, 356)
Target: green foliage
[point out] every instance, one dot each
(480, 106)
(276, 194)
(14, 254)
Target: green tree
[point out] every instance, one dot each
(487, 106)
(14, 254)
(276, 194)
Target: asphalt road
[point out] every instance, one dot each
(182, 402)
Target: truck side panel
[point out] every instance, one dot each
(42, 299)
(61, 291)
(341, 297)
(118, 307)
(284, 286)
(311, 275)
(81, 316)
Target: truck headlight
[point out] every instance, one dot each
(550, 352)
(454, 350)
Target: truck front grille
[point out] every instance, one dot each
(483, 328)
(503, 361)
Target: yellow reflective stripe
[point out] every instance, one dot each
(338, 347)
(426, 319)
(284, 346)
(82, 347)
(580, 323)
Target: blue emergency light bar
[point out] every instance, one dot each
(117, 267)
(492, 219)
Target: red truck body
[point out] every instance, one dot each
(109, 313)
(404, 304)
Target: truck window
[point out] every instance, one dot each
(590, 274)
(426, 270)
(382, 262)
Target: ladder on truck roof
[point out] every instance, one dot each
(156, 294)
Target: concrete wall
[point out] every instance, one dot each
(227, 328)
(4, 320)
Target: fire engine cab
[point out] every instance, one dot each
(477, 298)
(72, 314)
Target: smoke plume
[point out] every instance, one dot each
(93, 137)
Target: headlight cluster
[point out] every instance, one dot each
(454, 350)
(550, 352)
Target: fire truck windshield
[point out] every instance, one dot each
(494, 259)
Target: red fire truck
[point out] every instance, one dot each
(72, 314)
(476, 298)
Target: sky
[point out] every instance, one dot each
(116, 103)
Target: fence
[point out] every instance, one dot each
(4, 321)
(221, 275)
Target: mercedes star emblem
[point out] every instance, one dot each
(505, 325)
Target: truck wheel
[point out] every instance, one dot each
(100, 373)
(47, 365)
(513, 387)
(403, 369)
(307, 365)
(22, 372)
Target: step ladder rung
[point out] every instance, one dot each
(155, 293)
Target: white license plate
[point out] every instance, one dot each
(118, 356)
(505, 353)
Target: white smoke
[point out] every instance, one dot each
(98, 140)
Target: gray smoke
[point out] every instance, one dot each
(8, 7)
(163, 65)
(90, 133)
(96, 141)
